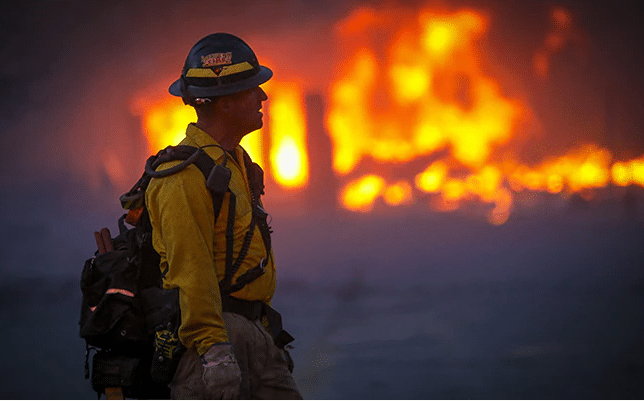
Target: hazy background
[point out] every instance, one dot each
(399, 303)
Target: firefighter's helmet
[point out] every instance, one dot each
(219, 64)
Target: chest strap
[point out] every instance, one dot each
(218, 187)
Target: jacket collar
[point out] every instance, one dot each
(197, 137)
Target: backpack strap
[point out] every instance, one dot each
(135, 197)
(217, 180)
(256, 183)
(189, 155)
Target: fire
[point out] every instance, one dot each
(425, 92)
(584, 168)
(165, 121)
(432, 178)
(411, 88)
(628, 173)
(360, 194)
(398, 193)
(435, 80)
(288, 157)
(254, 145)
(436, 96)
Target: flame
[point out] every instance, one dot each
(421, 94)
(361, 194)
(432, 178)
(432, 75)
(165, 120)
(434, 79)
(398, 193)
(254, 145)
(288, 157)
(628, 173)
(427, 91)
(586, 167)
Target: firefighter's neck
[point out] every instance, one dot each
(224, 134)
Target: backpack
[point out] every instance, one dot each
(127, 316)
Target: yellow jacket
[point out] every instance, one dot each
(194, 248)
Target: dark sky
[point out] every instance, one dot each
(70, 69)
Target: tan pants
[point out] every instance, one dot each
(263, 366)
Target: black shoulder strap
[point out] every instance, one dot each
(217, 180)
(189, 155)
(256, 182)
(255, 176)
(259, 218)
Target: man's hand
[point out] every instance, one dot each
(221, 373)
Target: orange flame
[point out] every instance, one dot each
(429, 92)
(432, 76)
(361, 194)
(288, 157)
(434, 79)
(583, 168)
(165, 121)
(423, 92)
(628, 173)
(398, 193)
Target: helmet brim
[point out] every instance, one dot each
(262, 76)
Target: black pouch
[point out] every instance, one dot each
(110, 313)
(112, 370)
(164, 317)
(167, 354)
(160, 306)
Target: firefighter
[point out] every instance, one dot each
(219, 256)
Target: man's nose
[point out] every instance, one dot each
(262, 95)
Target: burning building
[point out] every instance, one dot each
(412, 116)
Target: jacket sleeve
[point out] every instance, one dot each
(182, 217)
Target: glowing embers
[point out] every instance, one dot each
(447, 188)
(562, 33)
(628, 173)
(586, 167)
(361, 194)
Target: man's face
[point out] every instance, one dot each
(245, 110)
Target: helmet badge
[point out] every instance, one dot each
(215, 59)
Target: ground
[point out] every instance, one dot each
(392, 305)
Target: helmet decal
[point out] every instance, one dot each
(215, 59)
